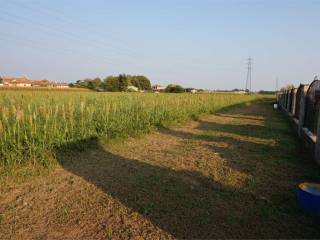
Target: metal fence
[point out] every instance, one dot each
(302, 105)
(297, 100)
(291, 99)
(312, 109)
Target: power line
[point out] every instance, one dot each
(52, 29)
(62, 19)
(130, 53)
(56, 51)
(95, 43)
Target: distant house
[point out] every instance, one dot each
(191, 90)
(40, 83)
(132, 89)
(25, 82)
(16, 82)
(60, 85)
(157, 87)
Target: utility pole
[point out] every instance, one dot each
(248, 80)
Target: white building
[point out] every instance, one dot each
(157, 87)
(132, 89)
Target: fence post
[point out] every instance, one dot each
(302, 111)
(279, 99)
(317, 146)
(289, 101)
(285, 99)
(294, 100)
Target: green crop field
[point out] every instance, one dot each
(34, 124)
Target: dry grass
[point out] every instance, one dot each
(230, 175)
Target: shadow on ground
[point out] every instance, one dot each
(188, 204)
(185, 204)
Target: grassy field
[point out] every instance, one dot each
(233, 174)
(35, 125)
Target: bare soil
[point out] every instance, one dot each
(230, 175)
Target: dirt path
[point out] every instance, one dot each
(230, 175)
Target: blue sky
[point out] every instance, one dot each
(195, 43)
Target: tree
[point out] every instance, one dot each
(139, 81)
(94, 84)
(111, 84)
(144, 82)
(1, 81)
(123, 82)
(115, 83)
(173, 88)
(134, 81)
(83, 83)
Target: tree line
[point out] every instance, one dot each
(118, 83)
(123, 83)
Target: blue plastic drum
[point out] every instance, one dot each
(309, 198)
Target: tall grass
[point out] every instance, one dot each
(33, 125)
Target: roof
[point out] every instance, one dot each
(60, 84)
(24, 80)
(15, 79)
(40, 82)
